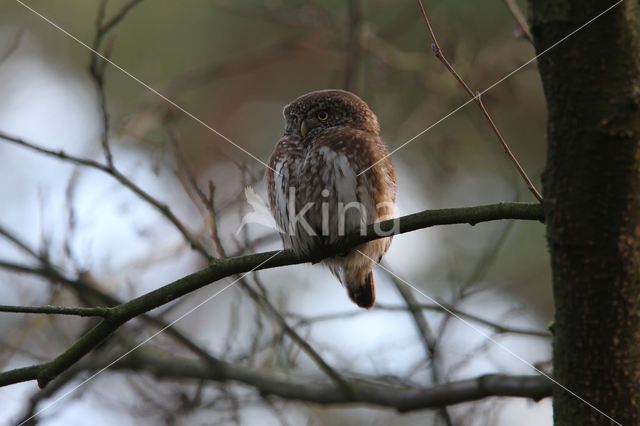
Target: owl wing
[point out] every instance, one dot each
(346, 204)
(279, 177)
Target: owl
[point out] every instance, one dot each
(331, 175)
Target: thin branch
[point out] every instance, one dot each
(161, 207)
(36, 398)
(497, 328)
(215, 235)
(15, 240)
(520, 20)
(207, 201)
(427, 337)
(57, 310)
(13, 45)
(476, 96)
(96, 71)
(401, 398)
(118, 16)
(97, 66)
(302, 343)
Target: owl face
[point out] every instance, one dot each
(317, 111)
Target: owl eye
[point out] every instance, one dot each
(322, 115)
(295, 120)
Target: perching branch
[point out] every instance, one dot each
(221, 268)
(476, 96)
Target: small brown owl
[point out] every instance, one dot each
(317, 192)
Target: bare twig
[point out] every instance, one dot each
(293, 335)
(118, 16)
(88, 291)
(207, 201)
(115, 173)
(479, 271)
(476, 96)
(17, 241)
(520, 20)
(27, 417)
(497, 328)
(97, 66)
(215, 236)
(57, 310)
(427, 338)
(96, 71)
(13, 45)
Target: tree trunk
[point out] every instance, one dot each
(592, 204)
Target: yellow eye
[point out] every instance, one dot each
(295, 120)
(322, 115)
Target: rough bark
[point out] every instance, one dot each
(592, 204)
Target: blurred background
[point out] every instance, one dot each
(234, 65)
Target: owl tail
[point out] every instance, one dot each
(359, 283)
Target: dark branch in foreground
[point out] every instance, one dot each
(401, 398)
(221, 268)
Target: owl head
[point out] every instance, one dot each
(317, 111)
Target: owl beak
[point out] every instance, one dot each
(303, 129)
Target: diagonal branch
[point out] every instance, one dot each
(476, 96)
(117, 17)
(426, 335)
(293, 335)
(520, 19)
(116, 174)
(13, 45)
